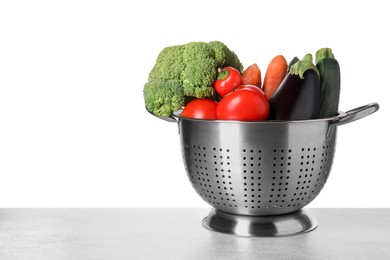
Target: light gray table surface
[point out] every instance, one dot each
(178, 234)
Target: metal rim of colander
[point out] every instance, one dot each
(177, 115)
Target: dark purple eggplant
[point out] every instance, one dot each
(298, 96)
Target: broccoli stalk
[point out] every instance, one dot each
(183, 72)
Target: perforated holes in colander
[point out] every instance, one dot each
(252, 179)
(223, 178)
(281, 162)
(304, 181)
(199, 172)
(326, 160)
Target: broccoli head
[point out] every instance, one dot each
(183, 72)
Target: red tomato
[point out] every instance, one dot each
(201, 109)
(248, 103)
(229, 79)
(254, 88)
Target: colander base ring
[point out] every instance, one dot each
(291, 224)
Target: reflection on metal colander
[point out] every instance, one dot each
(261, 168)
(257, 169)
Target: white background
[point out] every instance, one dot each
(73, 128)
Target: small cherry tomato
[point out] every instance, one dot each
(228, 80)
(247, 103)
(201, 109)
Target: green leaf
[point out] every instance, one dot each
(292, 62)
(301, 66)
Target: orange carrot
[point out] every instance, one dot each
(274, 75)
(252, 76)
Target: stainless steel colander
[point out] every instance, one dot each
(254, 169)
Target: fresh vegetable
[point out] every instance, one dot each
(274, 75)
(228, 80)
(185, 70)
(252, 76)
(329, 69)
(247, 103)
(162, 101)
(201, 109)
(254, 88)
(298, 96)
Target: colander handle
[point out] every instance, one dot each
(353, 115)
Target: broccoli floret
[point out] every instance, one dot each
(225, 57)
(162, 97)
(169, 64)
(182, 72)
(198, 78)
(200, 70)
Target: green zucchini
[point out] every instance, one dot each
(329, 69)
